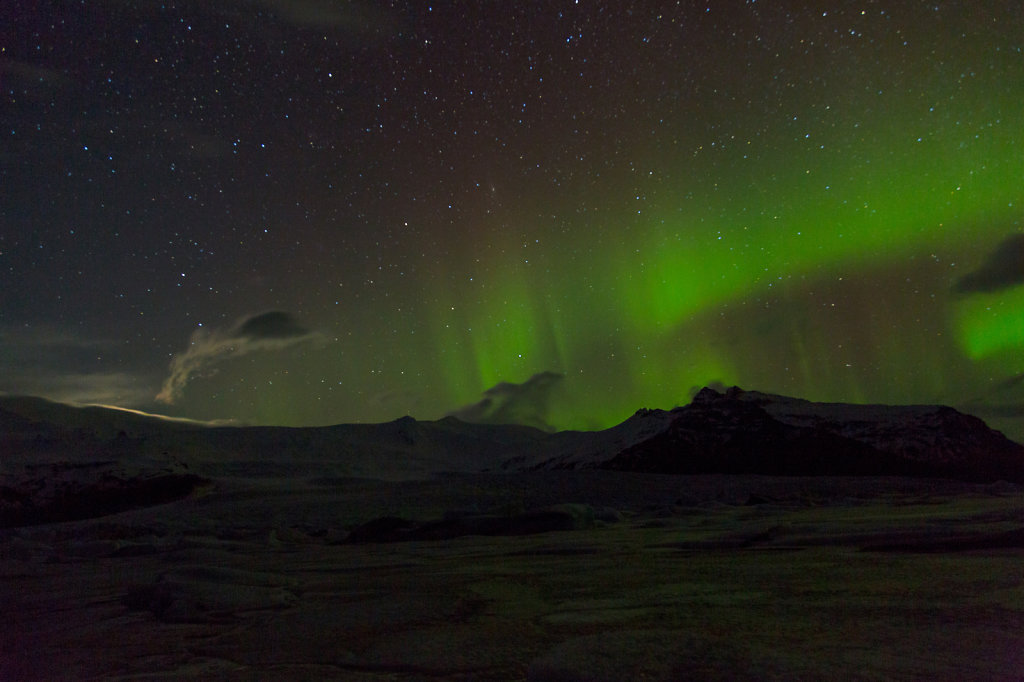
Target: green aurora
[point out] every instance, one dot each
(813, 252)
(856, 245)
(645, 200)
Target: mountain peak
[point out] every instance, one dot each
(749, 432)
(711, 395)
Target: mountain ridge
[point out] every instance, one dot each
(751, 432)
(740, 431)
(63, 463)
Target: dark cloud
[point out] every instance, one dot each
(267, 326)
(526, 403)
(270, 331)
(1004, 268)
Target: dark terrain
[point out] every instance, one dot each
(744, 536)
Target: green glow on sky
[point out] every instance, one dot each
(629, 318)
(783, 199)
(992, 326)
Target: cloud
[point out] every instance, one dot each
(715, 385)
(526, 403)
(46, 361)
(272, 326)
(1004, 268)
(270, 331)
(80, 388)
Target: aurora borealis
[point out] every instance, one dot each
(816, 199)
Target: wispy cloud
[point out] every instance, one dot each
(51, 363)
(270, 331)
(109, 388)
(505, 403)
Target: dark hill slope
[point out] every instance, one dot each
(750, 432)
(59, 462)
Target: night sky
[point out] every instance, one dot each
(319, 211)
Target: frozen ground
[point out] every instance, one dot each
(651, 577)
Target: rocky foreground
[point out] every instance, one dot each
(641, 576)
(859, 542)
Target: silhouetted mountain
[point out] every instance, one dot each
(751, 432)
(62, 462)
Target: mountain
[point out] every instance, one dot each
(62, 462)
(35, 430)
(751, 432)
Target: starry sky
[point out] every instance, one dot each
(321, 211)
